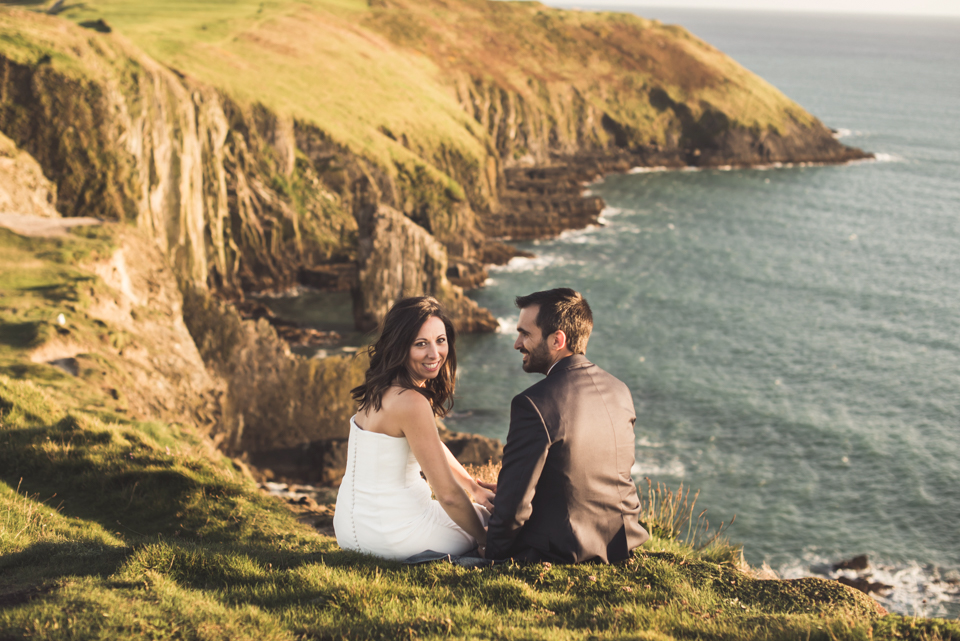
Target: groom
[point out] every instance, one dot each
(565, 493)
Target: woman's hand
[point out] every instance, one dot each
(489, 486)
(483, 495)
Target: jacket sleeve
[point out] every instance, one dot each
(524, 455)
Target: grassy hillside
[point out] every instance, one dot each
(121, 529)
(370, 72)
(312, 61)
(118, 523)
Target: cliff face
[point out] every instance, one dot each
(273, 398)
(240, 198)
(398, 258)
(258, 153)
(124, 138)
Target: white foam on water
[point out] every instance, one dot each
(884, 157)
(535, 264)
(643, 441)
(507, 324)
(842, 133)
(610, 212)
(655, 469)
(913, 589)
(583, 236)
(647, 170)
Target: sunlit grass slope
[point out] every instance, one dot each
(126, 530)
(310, 60)
(369, 73)
(116, 527)
(613, 59)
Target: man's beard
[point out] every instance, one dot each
(538, 359)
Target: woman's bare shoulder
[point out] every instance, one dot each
(401, 400)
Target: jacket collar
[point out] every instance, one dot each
(569, 362)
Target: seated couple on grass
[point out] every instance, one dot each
(564, 493)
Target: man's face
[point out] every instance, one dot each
(530, 342)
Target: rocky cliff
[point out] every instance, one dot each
(253, 149)
(380, 147)
(238, 197)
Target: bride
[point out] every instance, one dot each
(384, 506)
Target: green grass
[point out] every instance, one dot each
(113, 527)
(120, 529)
(123, 530)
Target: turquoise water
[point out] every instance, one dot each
(791, 335)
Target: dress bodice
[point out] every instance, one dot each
(380, 462)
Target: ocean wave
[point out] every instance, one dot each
(911, 588)
(653, 469)
(507, 324)
(647, 170)
(536, 263)
(885, 157)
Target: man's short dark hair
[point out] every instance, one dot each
(565, 310)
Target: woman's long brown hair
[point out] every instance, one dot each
(389, 356)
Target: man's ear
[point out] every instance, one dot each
(558, 340)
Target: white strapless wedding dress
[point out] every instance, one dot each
(384, 506)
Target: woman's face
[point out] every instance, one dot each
(429, 351)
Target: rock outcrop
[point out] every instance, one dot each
(273, 399)
(24, 189)
(398, 258)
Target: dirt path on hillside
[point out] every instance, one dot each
(43, 226)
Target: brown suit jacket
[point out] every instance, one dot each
(565, 493)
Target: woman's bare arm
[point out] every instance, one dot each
(482, 495)
(412, 411)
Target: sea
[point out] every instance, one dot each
(791, 335)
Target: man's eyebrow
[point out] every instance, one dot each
(523, 331)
